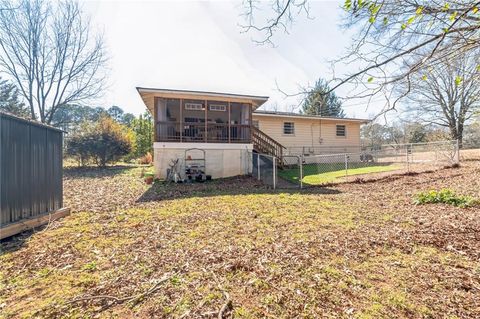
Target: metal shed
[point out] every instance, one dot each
(31, 187)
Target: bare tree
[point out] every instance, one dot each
(47, 50)
(395, 38)
(282, 15)
(447, 94)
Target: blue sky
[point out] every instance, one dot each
(200, 46)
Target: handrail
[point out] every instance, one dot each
(265, 144)
(266, 137)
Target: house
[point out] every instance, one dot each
(216, 132)
(310, 134)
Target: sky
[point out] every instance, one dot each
(196, 45)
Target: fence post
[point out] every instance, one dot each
(258, 166)
(300, 165)
(346, 168)
(406, 158)
(274, 163)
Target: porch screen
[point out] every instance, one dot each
(240, 121)
(168, 116)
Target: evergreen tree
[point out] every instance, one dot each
(9, 101)
(319, 103)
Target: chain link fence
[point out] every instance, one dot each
(264, 168)
(470, 150)
(304, 170)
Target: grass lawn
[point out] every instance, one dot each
(314, 174)
(234, 248)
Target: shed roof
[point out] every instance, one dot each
(30, 121)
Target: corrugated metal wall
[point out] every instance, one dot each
(30, 169)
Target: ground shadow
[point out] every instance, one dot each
(241, 185)
(95, 172)
(17, 241)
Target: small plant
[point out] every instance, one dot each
(445, 196)
(149, 177)
(91, 266)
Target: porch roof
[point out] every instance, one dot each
(148, 96)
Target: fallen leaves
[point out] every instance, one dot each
(234, 248)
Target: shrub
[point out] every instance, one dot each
(143, 129)
(445, 196)
(102, 142)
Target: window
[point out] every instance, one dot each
(341, 131)
(255, 123)
(288, 128)
(218, 107)
(194, 106)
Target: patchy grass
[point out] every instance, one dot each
(332, 172)
(353, 251)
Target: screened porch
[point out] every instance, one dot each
(205, 121)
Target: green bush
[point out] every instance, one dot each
(445, 196)
(143, 129)
(101, 142)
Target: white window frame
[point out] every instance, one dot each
(194, 107)
(217, 108)
(344, 130)
(292, 128)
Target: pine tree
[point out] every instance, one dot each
(9, 101)
(319, 103)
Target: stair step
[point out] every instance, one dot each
(263, 143)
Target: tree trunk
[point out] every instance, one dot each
(460, 135)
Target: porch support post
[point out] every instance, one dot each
(229, 121)
(250, 121)
(155, 120)
(206, 118)
(181, 120)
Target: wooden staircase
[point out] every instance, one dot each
(263, 143)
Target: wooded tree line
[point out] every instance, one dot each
(402, 132)
(92, 134)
